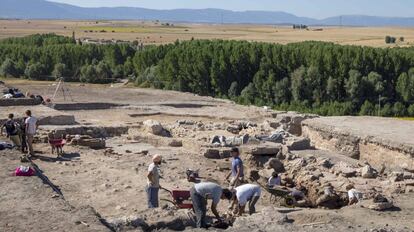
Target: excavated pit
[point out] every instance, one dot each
(20, 102)
(85, 106)
(186, 105)
(379, 141)
(112, 180)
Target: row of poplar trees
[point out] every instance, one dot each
(316, 77)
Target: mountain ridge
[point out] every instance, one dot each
(42, 9)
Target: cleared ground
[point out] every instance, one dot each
(111, 181)
(161, 33)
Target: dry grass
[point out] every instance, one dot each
(156, 33)
(407, 118)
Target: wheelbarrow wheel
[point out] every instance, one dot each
(290, 201)
(170, 201)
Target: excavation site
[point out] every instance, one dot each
(95, 142)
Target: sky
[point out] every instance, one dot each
(305, 8)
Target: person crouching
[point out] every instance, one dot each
(199, 194)
(246, 194)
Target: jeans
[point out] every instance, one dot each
(252, 204)
(200, 209)
(152, 196)
(30, 143)
(24, 142)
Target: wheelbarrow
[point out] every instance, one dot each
(57, 144)
(181, 199)
(281, 193)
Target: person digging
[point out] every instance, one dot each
(200, 193)
(246, 194)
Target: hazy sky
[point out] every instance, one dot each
(307, 8)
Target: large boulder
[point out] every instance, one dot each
(297, 143)
(368, 172)
(266, 150)
(155, 127)
(265, 173)
(175, 143)
(212, 154)
(380, 203)
(346, 170)
(276, 165)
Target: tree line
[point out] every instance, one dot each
(48, 56)
(317, 77)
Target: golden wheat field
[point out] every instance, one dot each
(162, 32)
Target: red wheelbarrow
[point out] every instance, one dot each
(57, 145)
(180, 198)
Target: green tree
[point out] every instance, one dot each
(88, 74)
(399, 110)
(103, 70)
(387, 39)
(282, 92)
(33, 71)
(59, 70)
(405, 86)
(353, 85)
(248, 94)
(8, 68)
(386, 110)
(410, 110)
(332, 89)
(233, 91)
(367, 109)
(298, 84)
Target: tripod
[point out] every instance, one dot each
(65, 90)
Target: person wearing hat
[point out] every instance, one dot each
(236, 173)
(153, 181)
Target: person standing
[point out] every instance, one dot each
(23, 135)
(12, 131)
(153, 182)
(199, 194)
(31, 128)
(237, 172)
(247, 193)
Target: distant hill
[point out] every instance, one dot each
(41, 9)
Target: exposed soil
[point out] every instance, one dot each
(105, 187)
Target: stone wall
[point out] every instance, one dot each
(376, 151)
(92, 131)
(19, 102)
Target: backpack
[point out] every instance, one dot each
(11, 128)
(24, 171)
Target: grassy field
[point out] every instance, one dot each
(407, 119)
(159, 33)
